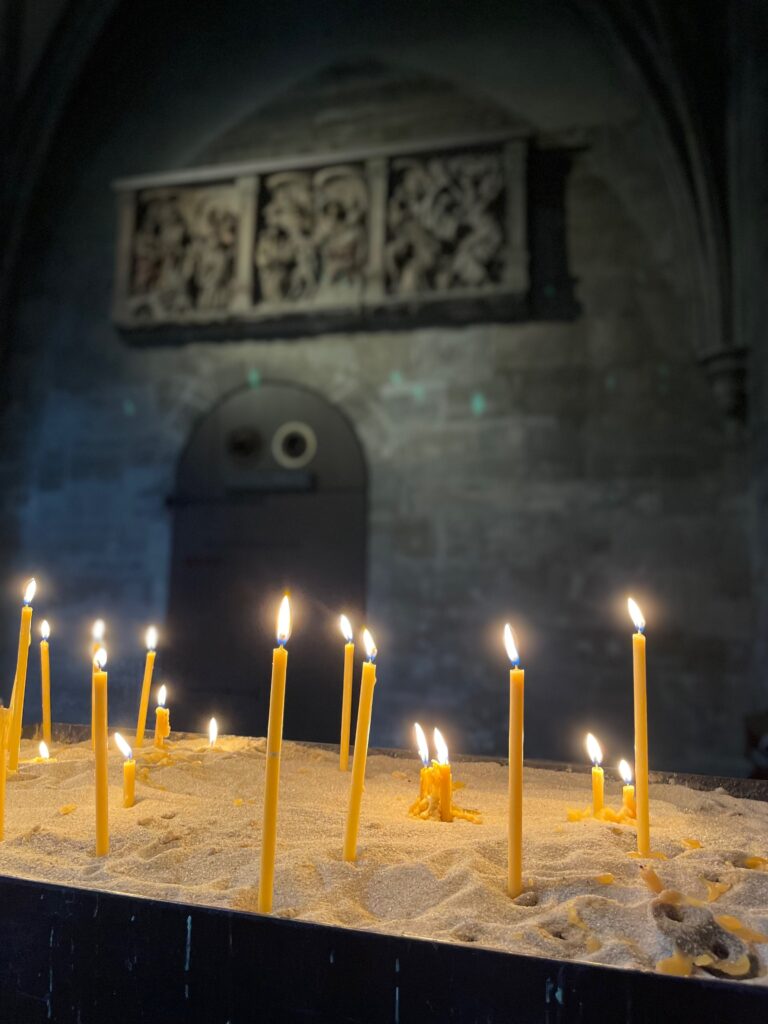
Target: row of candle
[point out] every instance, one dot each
(10, 729)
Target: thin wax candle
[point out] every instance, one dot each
(641, 730)
(346, 693)
(362, 734)
(129, 771)
(20, 682)
(598, 775)
(274, 748)
(149, 665)
(515, 811)
(101, 753)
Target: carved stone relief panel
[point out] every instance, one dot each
(182, 256)
(312, 236)
(377, 238)
(445, 223)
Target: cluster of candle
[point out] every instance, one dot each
(597, 808)
(435, 779)
(436, 784)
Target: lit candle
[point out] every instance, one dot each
(99, 678)
(45, 679)
(628, 792)
(362, 734)
(162, 718)
(515, 816)
(641, 731)
(444, 782)
(149, 664)
(129, 771)
(274, 747)
(425, 775)
(97, 639)
(213, 733)
(20, 682)
(43, 753)
(598, 775)
(5, 729)
(346, 693)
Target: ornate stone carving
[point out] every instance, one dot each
(445, 223)
(312, 236)
(377, 238)
(183, 252)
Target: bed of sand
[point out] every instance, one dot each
(194, 836)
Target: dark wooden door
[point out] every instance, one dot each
(271, 496)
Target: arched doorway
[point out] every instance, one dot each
(270, 495)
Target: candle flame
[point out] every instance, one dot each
(421, 743)
(370, 644)
(122, 746)
(441, 747)
(150, 638)
(593, 749)
(346, 628)
(625, 772)
(162, 694)
(100, 658)
(636, 615)
(29, 593)
(511, 646)
(44, 751)
(284, 621)
(45, 629)
(97, 629)
(213, 731)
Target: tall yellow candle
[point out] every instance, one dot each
(97, 639)
(444, 780)
(5, 729)
(149, 665)
(641, 731)
(360, 757)
(100, 719)
(274, 748)
(20, 683)
(515, 813)
(598, 775)
(45, 679)
(628, 791)
(346, 693)
(129, 771)
(162, 718)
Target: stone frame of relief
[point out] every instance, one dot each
(428, 235)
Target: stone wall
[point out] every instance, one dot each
(533, 472)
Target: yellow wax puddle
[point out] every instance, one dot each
(605, 879)
(653, 855)
(67, 808)
(679, 964)
(652, 880)
(716, 889)
(736, 969)
(755, 863)
(620, 817)
(692, 844)
(743, 931)
(592, 941)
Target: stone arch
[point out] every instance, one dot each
(270, 496)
